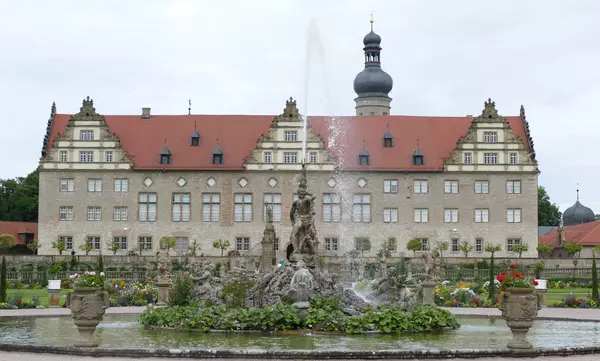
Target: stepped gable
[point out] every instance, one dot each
(237, 135)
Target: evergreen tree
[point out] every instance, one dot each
(594, 278)
(101, 264)
(3, 284)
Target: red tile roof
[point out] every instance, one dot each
(15, 228)
(237, 135)
(588, 234)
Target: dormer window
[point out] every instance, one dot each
(388, 139)
(418, 158)
(364, 157)
(165, 155)
(218, 155)
(195, 138)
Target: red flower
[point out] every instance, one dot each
(149, 293)
(516, 275)
(503, 273)
(513, 266)
(535, 283)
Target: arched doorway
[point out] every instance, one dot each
(288, 251)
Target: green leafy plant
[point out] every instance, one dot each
(181, 292)
(234, 293)
(514, 278)
(194, 247)
(100, 263)
(465, 247)
(167, 242)
(538, 268)
(544, 248)
(222, 244)
(492, 249)
(573, 248)
(520, 248)
(442, 247)
(113, 246)
(60, 245)
(414, 245)
(87, 247)
(88, 279)
(7, 241)
(34, 246)
(594, 278)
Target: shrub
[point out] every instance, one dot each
(234, 293)
(181, 293)
(3, 281)
(100, 264)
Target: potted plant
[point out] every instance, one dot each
(519, 305)
(88, 303)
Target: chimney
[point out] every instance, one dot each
(145, 113)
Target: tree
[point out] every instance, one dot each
(520, 248)
(168, 242)
(414, 245)
(363, 245)
(7, 241)
(442, 247)
(60, 245)
(3, 284)
(548, 212)
(544, 248)
(465, 247)
(594, 278)
(492, 249)
(19, 198)
(87, 247)
(389, 245)
(194, 247)
(34, 245)
(222, 244)
(100, 263)
(573, 248)
(113, 246)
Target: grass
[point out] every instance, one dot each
(558, 294)
(42, 294)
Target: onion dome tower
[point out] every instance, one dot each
(372, 85)
(578, 214)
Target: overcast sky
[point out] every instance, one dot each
(248, 57)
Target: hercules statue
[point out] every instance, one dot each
(301, 216)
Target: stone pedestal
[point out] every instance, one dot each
(87, 309)
(428, 292)
(53, 298)
(163, 291)
(519, 308)
(541, 294)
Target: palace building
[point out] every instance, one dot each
(133, 179)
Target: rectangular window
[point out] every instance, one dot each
(290, 135)
(482, 187)
(121, 185)
(312, 157)
(211, 207)
(290, 157)
(94, 241)
(145, 242)
(181, 207)
(468, 158)
(120, 213)
(274, 200)
(268, 157)
(331, 244)
(362, 244)
(424, 244)
(511, 242)
(450, 186)
(242, 243)
(242, 211)
(513, 158)
(482, 215)
(147, 207)
(86, 134)
(65, 213)
(420, 186)
(94, 185)
(490, 158)
(513, 187)
(421, 215)
(62, 157)
(332, 207)
(121, 241)
(451, 215)
(390, 186)
(182, 245)
(67, 185)
(68, 241)
(390, 215)
(109, 156)
(86, 156)
(361, 208)
(454, 244)
(513, 215)
(478, 244)
(276, 244)
(490, 137)
(94, 213)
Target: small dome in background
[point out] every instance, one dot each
(578, 214)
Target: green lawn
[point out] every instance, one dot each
(558, 294)
(42, 294)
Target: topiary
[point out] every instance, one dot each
(100, 264)
(3, 281)
(44, 279)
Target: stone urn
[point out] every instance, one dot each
(519, 308)
(88, 305)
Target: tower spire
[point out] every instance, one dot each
(577, 192)
(190, 107)
(372, 21)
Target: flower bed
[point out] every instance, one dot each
(323, 315)
(133, 294)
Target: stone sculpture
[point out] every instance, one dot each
(430, 265)
(87, 309)
(165, 270)
(304, 235)
(519, 308)
(302, 286)
(206, 285)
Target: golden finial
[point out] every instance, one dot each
(372, 20)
